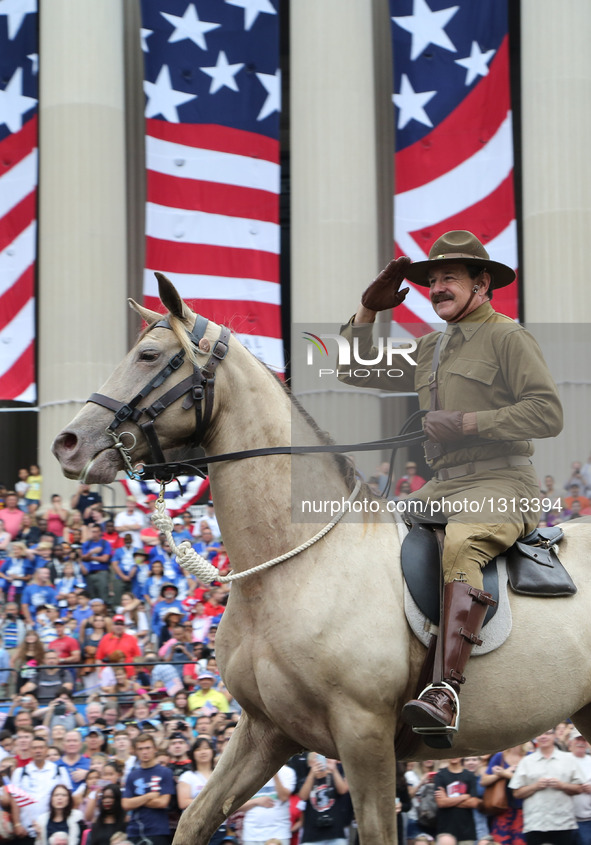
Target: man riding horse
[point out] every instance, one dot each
(487, 391)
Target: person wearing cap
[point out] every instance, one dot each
(168, 602)
(206, 696)
(119, 640)
(487, 392)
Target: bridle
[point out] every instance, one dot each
(198, 389)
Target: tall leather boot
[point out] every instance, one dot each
(436, 708)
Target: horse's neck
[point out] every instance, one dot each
(256, 499)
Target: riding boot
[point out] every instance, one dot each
(464, 609)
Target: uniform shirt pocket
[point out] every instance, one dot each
(484, 372)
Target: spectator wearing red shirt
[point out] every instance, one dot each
(112, 537)
(118, 640)
(415, 481)
(215, 605)
(67, 648)
(12, 516)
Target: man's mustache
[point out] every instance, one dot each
(441, 297)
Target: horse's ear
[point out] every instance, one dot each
(170, 298)
(145, 313)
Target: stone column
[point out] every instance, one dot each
(556, 121)
(341, 183)
(82, 212)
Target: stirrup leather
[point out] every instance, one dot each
(443, 729)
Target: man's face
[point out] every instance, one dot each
(11, 502)
(545, 740)
(145, 753)
(122, 743)
(471, 763)
(450, 287)
(43, 575)
(23, 742)
(177, 748)
(72, 743)
(95, 532)
(93, 711)
(39, 750)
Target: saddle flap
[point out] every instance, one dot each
(422, 572)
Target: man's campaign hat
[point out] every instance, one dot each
(461, 247)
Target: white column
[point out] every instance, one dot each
(341, 152)
(556, 93)
(82, 212)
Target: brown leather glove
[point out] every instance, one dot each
(384, 292)
(443, 426)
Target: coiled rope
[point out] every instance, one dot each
(197, 565)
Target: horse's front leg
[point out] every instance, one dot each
(255, 752)
(366, 749)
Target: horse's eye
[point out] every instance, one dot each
(148, 355)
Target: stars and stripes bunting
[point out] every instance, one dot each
(454, 161)
(18, 197)
(212, 87)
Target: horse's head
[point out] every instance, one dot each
(159, 397)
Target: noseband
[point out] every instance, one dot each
(198, 389)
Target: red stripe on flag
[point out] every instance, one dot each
(486, 219)
(17, 219)
(213, 137)
(212, 197)
(460, 135)
(254, 318)
(211, 260)
(18, 145)
(20, 376)
(16, 297)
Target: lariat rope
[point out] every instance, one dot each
(197, 565)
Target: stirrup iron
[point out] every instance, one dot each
(443, 730)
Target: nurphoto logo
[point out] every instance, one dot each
(388, 351)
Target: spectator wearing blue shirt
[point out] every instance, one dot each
(39, 591)
(124, 568)
(147, 795)
(96, 562)
(168, 602)
(15, 572)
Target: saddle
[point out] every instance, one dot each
(533, 567)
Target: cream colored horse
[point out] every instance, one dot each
(317, 650)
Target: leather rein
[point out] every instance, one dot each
(198, 389)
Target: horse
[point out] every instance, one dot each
(316, 660)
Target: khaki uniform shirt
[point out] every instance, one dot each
(490, 365)
(548, 809)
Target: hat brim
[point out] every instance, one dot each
(502, 275)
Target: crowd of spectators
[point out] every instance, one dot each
(113, 714)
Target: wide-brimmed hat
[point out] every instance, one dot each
(461, 247)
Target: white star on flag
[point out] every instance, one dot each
(427, 27)
(13, 104)
(476, 63)
(222, 75)
(252, 9)
(16, 10)
(163, 99)
(189, 26)
(410, 103)
(144, 35)
(271, 82)
(34, 59)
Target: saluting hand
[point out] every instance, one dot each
(384, 292)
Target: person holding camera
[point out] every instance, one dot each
(327, 808)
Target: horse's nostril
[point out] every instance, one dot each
(69, 440)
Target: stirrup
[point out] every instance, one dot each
(446, 730)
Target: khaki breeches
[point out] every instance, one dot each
(485, 515)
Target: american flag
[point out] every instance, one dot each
(192, 491)
(22, 798)
(454, 136)
(18, 197)
(212, 86)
